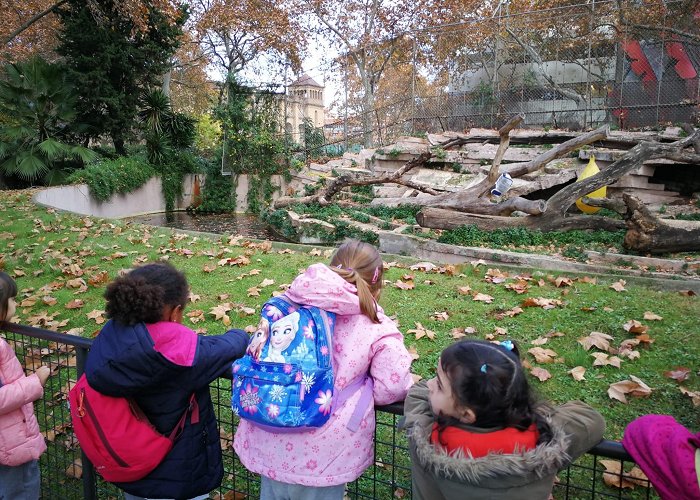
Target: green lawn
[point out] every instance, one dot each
(47, 251)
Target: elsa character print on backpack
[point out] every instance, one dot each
(283, 332)
(292, 363)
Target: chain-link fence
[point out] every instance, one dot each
(576, 66)
(66, 474)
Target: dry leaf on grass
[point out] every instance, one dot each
(482, 297)
(404, 285)
(604, 359)
(541, 373)
(420, 331)
(635, 327)
(694, 395)
(650, 316)
(75, 470)
(619, 286)
(635, 387)
(578, 373)
(597, 339)
(614, 476)
(543, 355)
(464, 290)
(679, 373)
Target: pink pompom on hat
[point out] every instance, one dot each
(665, 451)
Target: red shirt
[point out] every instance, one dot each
(479, 444)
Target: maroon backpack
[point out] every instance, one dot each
(116, 435)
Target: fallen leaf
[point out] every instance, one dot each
(539, 341)
(604, 359)
(562, 281)
(679, 374)
(619, 286)
(650, 316)
(597, 339)
(440, 316)
(75, 470)
(635, 387)
(75, 304)
(541, 373)
(542, 302)
(635, 327)
(614, 475)
(98, 316)
(695, 396)
(266, 282)
(420, 331)
(482, 297)
(407, 285)
(458, 333)
(414, 353)
(543, 355)
(578, 373)
(464, 290)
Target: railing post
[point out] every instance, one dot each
(88, 477)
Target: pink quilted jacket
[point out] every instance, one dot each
(332, 454)
(20, 439)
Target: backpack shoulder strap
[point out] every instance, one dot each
(363, 383)
(192, 410)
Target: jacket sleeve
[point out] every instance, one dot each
(416, 408)
(390, 369)
(215, 354)
(20, 392)
(583, 425)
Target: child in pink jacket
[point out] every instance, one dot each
(365, 341)
(21, 443)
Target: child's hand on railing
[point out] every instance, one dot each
(43, 373)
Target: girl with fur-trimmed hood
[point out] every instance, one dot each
(475, 431)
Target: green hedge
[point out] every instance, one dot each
(108, 177)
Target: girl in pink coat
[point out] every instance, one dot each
(316, 464)
(21, 443)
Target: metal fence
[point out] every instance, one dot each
(577, 65)
(66, 474)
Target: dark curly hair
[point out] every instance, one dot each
(142, 295)
(489, 379)
(8, 290)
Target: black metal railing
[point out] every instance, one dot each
(67, 474)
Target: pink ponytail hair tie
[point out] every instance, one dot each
(375, 277)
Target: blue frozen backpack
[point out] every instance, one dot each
(285, 380)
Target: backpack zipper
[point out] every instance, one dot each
(99, 430)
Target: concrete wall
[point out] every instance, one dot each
(561, 72)
(145, 200)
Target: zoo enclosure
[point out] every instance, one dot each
(568, 66)
(66, 473)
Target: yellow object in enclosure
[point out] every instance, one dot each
(590, 170)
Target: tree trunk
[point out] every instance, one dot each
(646, 233)
(438, 218)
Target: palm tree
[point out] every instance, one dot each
(37, 110)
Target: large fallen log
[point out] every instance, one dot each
(439, 218)
(649, 234)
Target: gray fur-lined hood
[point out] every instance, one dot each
(575, 426)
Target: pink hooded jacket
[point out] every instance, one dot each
(20, 439)
(332, 454)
